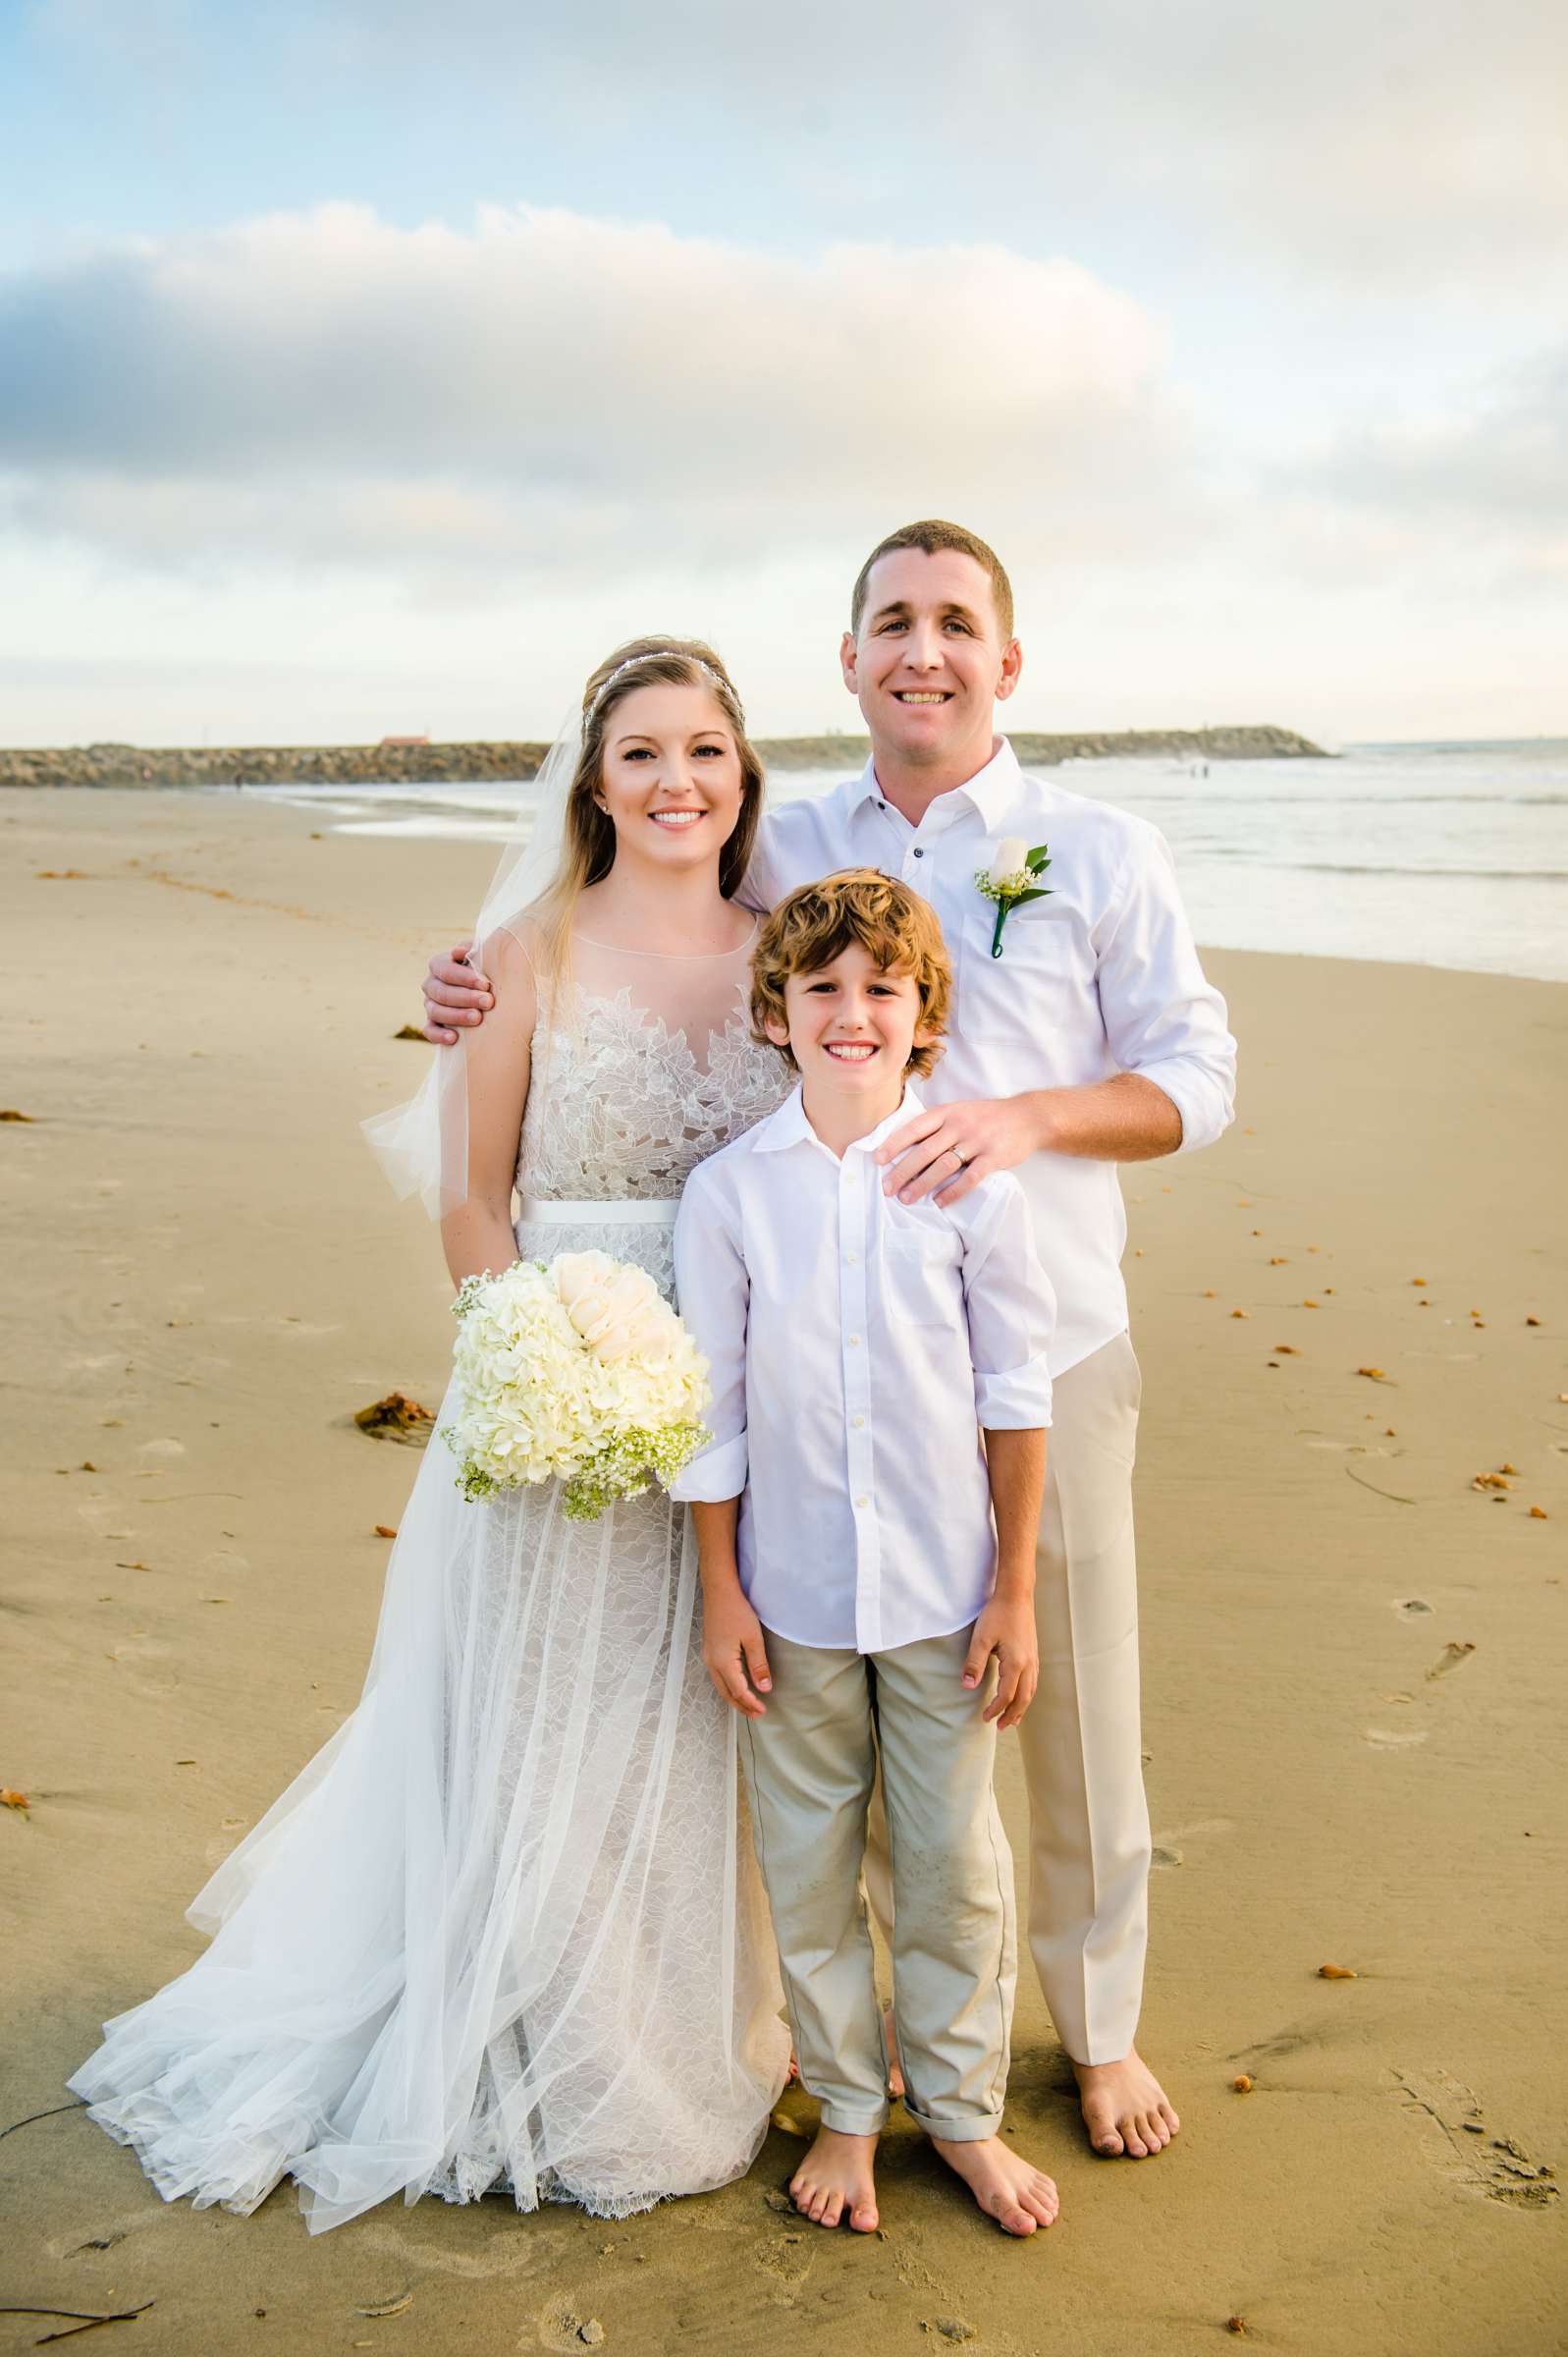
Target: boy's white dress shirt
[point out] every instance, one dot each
(1101, 977)
(858, 1346)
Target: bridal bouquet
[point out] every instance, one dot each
(579, 1369)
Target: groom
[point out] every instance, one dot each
(1092, 1039)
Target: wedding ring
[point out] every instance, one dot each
(962, 1160)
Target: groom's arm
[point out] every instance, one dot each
(1166, 1024)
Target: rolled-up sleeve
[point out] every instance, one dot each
(1163, 1018)
(1011, 1310)
(712, 1293)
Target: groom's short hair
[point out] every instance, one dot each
(931, 537)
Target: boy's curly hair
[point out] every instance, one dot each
(816, 924)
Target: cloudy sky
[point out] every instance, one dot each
(370, 367)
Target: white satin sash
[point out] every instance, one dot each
(654, 1211)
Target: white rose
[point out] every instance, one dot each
(614, 1308)
(577, 1273)
(1012, 856)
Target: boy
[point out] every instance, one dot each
(863, 1559)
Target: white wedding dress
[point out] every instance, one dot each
(506, 1929)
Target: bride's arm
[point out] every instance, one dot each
(477, 1236)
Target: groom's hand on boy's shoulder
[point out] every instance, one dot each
(989, 1133)
(454, 993)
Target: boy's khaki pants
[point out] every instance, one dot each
(810, 1766)
(1088, 1819)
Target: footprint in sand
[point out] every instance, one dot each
(1168, 1846)
(1279, 2048)
(1498, 2167)
(224, 1564)
(106, 2233)
(162, 1449)
(787, 2259)
(1387, 1738)
(1452, 1657)
(509, 2251)
(566, 2327)
(140, 1657)
(1412, 1607)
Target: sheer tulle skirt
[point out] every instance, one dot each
(506, 1929)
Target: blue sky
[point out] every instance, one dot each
(367, 367)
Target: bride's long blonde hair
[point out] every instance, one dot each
(589, 844)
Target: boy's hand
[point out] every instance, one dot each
(733, 1652)
(1005, 1628)
(456, 992)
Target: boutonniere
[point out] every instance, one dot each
(1011, 879)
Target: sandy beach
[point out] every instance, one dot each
(1353, 1657)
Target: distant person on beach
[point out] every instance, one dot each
(1092, 1038)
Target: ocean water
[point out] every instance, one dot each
(1425, 854)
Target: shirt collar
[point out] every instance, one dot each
(991, 791)
(788, 1126)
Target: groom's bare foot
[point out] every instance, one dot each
(1125, 2108)
(1008, 2187)
(836, 2181)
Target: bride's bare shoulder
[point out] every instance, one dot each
(516, 962)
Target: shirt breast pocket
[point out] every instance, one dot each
(1033, 984)
(920, 1276)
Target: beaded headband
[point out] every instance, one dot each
(662, 654)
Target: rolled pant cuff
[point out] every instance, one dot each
(854, 2119)
(971, 2128)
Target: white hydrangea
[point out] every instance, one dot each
(579, 1370)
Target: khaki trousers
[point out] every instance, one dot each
(1080, 1738)
(810, 1764)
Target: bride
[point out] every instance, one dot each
(505, 1930)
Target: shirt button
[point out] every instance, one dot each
(919, 853)
(862, 1502)
(854, 1341)
(859, 1422)
(851, 1260)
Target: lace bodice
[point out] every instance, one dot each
(637, 1080)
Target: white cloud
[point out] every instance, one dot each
(1367, 141)
(1415, 142)
(552, 394)
(1478, 493)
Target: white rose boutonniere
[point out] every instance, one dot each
(1011, 879)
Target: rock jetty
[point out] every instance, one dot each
(442, 764)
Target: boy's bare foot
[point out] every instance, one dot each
(836, 2178)
(1008, 2187)
(1125, 2108)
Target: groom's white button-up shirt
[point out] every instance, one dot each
(857, 1347)
(1101, 977)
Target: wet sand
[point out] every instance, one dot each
(206, 1275)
